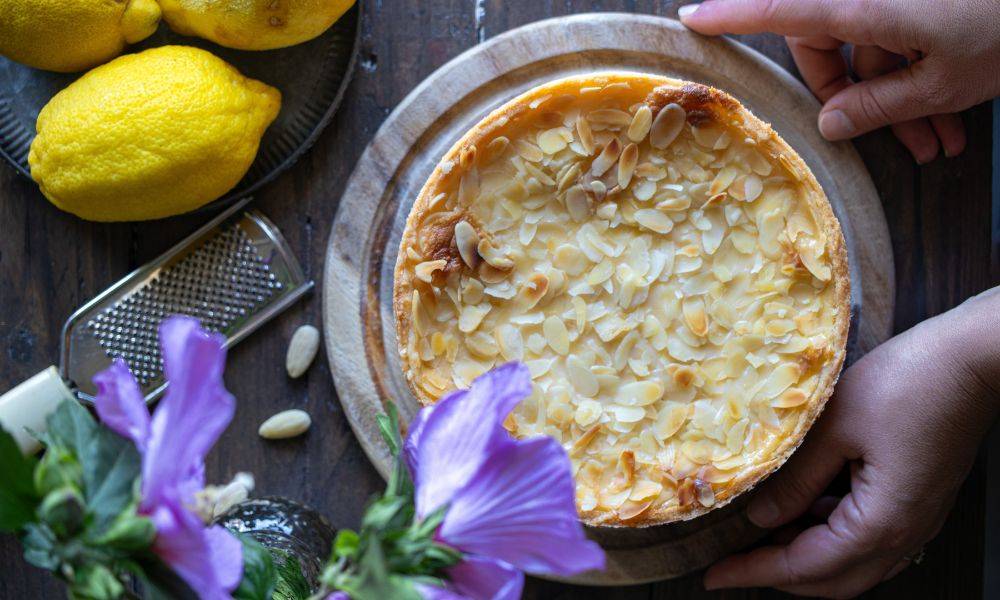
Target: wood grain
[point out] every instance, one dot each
(50, 263)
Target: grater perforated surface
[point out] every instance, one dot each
(222, 282)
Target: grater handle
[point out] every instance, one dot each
(27, 406)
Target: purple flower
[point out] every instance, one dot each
(510, 502)
(192, 415)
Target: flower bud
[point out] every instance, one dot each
(95, 582)
(63, 511)
(57, 469)
(130, 533)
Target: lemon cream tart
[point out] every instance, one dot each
(668, 268)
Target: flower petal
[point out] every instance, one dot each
(456, 438)
(477, 578)
(121, 405)
(416, 430)
(226, 553)
(209, 560)
(193, 414)
(519, 508)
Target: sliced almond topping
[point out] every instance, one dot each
(631, 509)
(495, 149)
(609, 116)
(425, 270)
(482, 344)
(626, 165)
(554, 140)
(666, 126)
(467, 241)
(418, 315)
(670, 420)
(654, 220)
(670, 298)
(528, 151)
(510, 342)
(752, 188)
(809, 251)
(556, 335)
(532, 290)
(644, 489)
(586, 134)
(568, 177)
(587, 413)
(686, 493)
(493, 256)
(641, 122)
(472, 316)
(578, 204)
(639, 393)
(584, 440)
(468, 187)
(790, 398)
(694, 315)
(781, 378)
(704, 493)
(467, 158)
(606, 158)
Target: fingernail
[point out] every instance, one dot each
(763, 512)
(687, 10)
(836, 125)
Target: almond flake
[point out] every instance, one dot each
(642, 120)
(667, 125)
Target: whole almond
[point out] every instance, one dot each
(302, 350)
(284, 425)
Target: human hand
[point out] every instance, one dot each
(908, 417)
(919, 61)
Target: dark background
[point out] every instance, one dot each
(939, 217)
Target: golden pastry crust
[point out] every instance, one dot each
(434, 268)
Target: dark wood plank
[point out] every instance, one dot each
(50, 262)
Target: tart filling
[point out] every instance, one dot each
(667, 267)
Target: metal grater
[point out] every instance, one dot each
(233, 274)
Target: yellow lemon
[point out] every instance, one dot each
(73, 35)
(150, 135)
(254, 24)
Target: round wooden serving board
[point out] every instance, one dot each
(357, 287)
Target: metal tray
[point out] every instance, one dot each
(312, 78)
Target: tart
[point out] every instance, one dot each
(665, 264)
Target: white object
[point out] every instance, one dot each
(29, 404)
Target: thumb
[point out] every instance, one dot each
(790, 492)
(899, 96)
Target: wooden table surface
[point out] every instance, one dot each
(51, 262)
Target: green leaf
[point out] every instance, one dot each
(40, 547)
(375, 582)
(18, 499)
(390, 512)
(109, 475)
(400, 482)
(292, 583)
(71, 427)
(128, 533)
(346, 544)
(95, 582)
(259, 574)
(110, 463)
